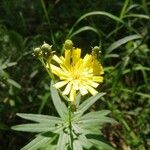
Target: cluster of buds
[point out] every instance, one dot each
(45, 51)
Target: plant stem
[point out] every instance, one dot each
(48, 69)
(70, 126)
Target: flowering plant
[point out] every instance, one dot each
(72, 77)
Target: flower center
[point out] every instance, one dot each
(76, 76)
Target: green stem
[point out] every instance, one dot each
(48, 69)
(70, 126)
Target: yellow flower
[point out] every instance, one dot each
(76, 73)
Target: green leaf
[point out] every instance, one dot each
(121, 42)
(88, 122)
(78, 100)
(95, 13)
(8, 64)
(101, 145)
(97, 114)
(140, 16)
(62, 141)
(40, 118)
(88, 103)
(38, 142)
(102, 13)
(82, 29)
(112, 56)
(77, 145)
(85, 143)
(95, 118)
(14, 83)
(37, 127)
(80, 129)
(58, 103)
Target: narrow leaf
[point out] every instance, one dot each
(96, 114)
(40, 118)
(58, 103)
(121, 42)
(140, 16)
(88, 122)
(85, 143)
(77, 145)
(62, 141)
(88, 103)
(37, 143)
(95, 13)
(85, 28)
(81, 129)
(37, 128)
(101, 145)
(14, 83)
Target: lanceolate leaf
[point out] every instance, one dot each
(95, 13)
(95, 118)
(121, 42)
(96, 114)
(38, 142)
(62, 141)
(58, 103)
(40, 118)
(95, 121)
(37, 127)
(85, 28)
(101, 145)
(80, 129)
(77, 145)
(88, 103)
(86, 144)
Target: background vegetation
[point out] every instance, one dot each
(125, 46)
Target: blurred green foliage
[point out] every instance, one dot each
(125, 46)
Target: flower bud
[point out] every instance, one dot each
(46, 46)
(37, 52)
(96, 51)
(46, 50)
(68, 45)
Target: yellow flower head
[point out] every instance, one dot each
(76, 73)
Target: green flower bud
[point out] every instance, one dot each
(46, 50)
(68, 45)
(96, 51)
(37, 52)
(46, 46)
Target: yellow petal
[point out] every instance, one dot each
(75, 84)
(56, 70)
(67, 89)
(67, 56)
(57, 59)
(97, 68)
(83, 90)
(91, 90)
(76, 54)
(93, 84)
(98, 78)
(87, 61)
(60, 84)
(72, 97)
(59, 72)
